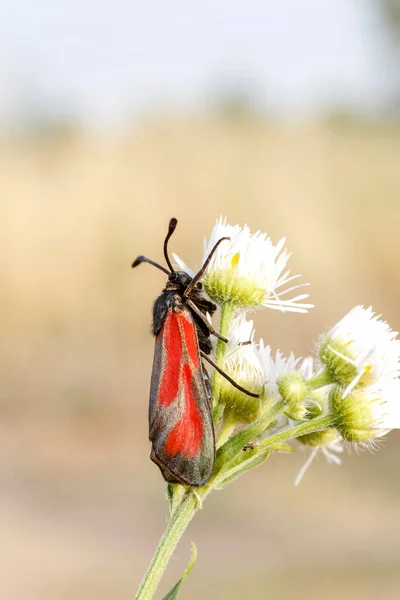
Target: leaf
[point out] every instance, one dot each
(231, 474)
(174, 592)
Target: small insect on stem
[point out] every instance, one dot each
(181, 426)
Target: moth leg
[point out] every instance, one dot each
(208, 386)
(231, 381)
(205, 321)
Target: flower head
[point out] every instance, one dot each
(248, 270)
(242, 364)
(361, 350)
(366, 413)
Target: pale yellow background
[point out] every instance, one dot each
(81, 505)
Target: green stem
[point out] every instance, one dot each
(233, 465)
(236, 443)
(177, 525)
(227, 312)
(319, 381)
(318, 424)
(177, 496)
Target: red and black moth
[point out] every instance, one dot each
(181, 425)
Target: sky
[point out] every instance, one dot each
(108, 61)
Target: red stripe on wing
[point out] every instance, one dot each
(186, 436)
(190, 339)
(173, 347)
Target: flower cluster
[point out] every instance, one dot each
(355, 380)
(349, 393)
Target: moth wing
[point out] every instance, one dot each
(180, 415)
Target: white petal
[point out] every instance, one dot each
(305, 467)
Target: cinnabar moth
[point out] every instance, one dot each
(181, 425)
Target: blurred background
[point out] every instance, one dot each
(113, 118)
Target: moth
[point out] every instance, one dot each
(181, 425)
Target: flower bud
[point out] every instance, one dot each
(292, 387)
(316, 403)
(364, 414)
(227, 285)
(338, 359)
(361, 350)
(318, 438)
(244, 407)
(242, 364)
(293, 390)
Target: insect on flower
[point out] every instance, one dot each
(181, 425)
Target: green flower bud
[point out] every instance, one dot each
(338, 359)
(318, 438)
(316, 404)
(242, 364)
(226, 285)
(360, 416)
(360, 351)
(293, 390)
(292, 387)
(243, 406)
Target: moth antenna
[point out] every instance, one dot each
(142, 259)
(203, 269)
(171, 228)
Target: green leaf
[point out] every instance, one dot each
(230, 475)
(174, 592)
(227, 454)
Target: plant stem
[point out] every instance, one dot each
(233, 465)
(318, 424)
(177, 525)
(235, 444)
(319, 381)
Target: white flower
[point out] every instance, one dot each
(361, 349)
(248, 270)
(331, 446)
(366, 413)
(385, 408)
(306, 368)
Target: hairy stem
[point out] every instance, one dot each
(318, 424)
(177, 525)
(319, 381)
